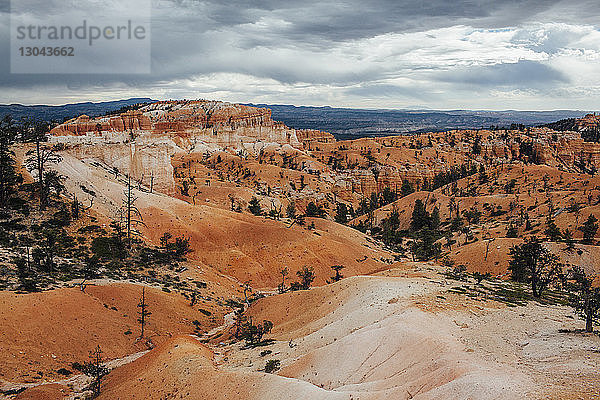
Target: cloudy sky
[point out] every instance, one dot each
(477, 54)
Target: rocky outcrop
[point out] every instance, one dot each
(211, 122)
(589, 122)
(141, 142)
(130, 121)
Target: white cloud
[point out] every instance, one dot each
(289, 54)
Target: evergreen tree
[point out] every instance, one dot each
(133, 217)
(39, 158)
(552, 231)
(533, 263)
(144, 313)
(584, 297)
(8, 177)
(568, 236)
(253, 334)
(96, 370)
(27, 277)
(434, 221)
(312, 210)
(477, 145)
(589, 229)
(388, 196)
(420, 217)
(341, 215)
(307, 276)
(389, 227)
(282, 288)
(406, 188)
(338, 276)
(254, 206)
(424, 247)
(290, 211)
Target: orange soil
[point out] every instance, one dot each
(182, 368)
(44, 392)
(43, 332)
(240, 245)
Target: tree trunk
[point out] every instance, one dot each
(40, 168)
(589, 313)
(129, 212)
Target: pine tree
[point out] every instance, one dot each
(568, 236)
(313, 210)
(290, 211)
(133, 217)
(341, 215)
(307, 276)
(254, 206)
(420, 217)
(8, 177)
(584, 297)
(39, 158)
(552, 231)
(534, 264)
(95, 369)
(434, 221)
(282, 288)
(338, 276)
(406, 188)
(589, 229)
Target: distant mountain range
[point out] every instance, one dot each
(67, 111)
(349, 123)
(342, 122)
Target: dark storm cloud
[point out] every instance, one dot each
(289, 41)
(352, 19)
(524, 74)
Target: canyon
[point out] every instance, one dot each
(258, 203)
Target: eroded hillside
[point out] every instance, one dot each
(223, 219)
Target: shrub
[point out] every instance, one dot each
(254, 206)
(272, 366)
(313, 210)
(307, 276)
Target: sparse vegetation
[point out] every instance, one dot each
(479, 195)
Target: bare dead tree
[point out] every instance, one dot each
(284, 272)
(247, 289)
(144, 313)
(77, 208)
(133, 217)
(96, 370)
(39, 158)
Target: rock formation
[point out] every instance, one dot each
(141, 142)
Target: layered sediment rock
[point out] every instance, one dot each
(141, 142)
